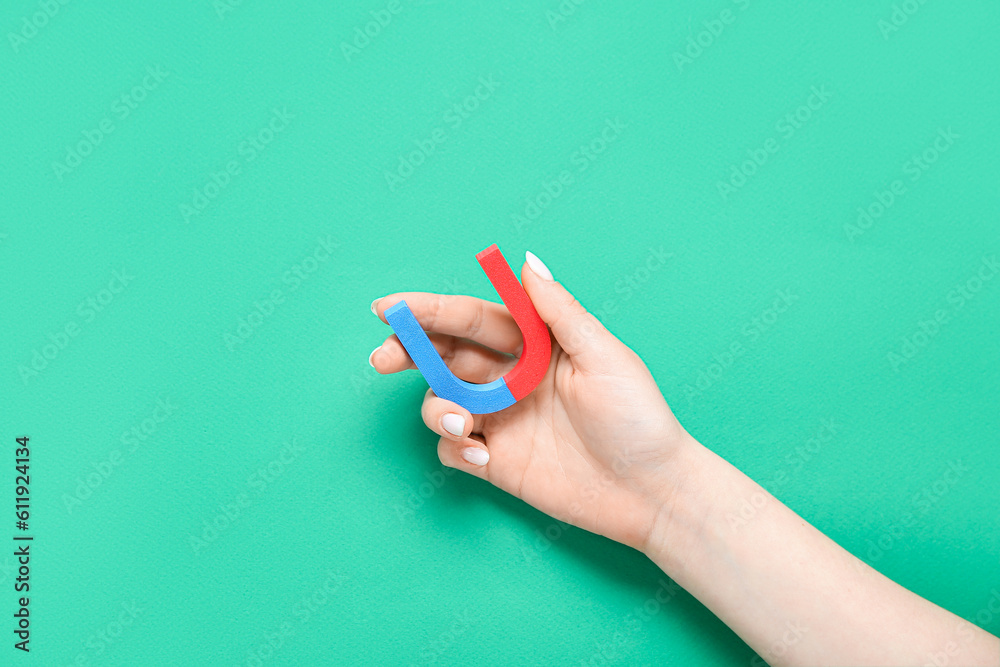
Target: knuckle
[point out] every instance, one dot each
(449, 351)
(478, 317)
(434, 310)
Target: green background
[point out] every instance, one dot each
(357, 547)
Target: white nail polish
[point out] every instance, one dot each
(373, 306)
(537, 265)
(372, 355)
(476, 456)
(454, 424)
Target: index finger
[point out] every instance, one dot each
(483, 321)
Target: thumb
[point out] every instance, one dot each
(578, 332)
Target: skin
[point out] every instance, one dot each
(596, 445)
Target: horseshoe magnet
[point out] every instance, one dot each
(504, 391)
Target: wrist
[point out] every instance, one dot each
(677, 495)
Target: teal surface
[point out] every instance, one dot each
(789, 210)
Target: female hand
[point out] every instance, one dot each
(592, 444)
(595, 445)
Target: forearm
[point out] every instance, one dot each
(791, 593)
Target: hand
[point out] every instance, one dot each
(595, 445)
(592, 445)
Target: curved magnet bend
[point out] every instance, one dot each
(502, 392)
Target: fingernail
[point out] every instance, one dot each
(537, 265)
(476, 456)
(454, 424)
(372, 355)
(373, 306)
